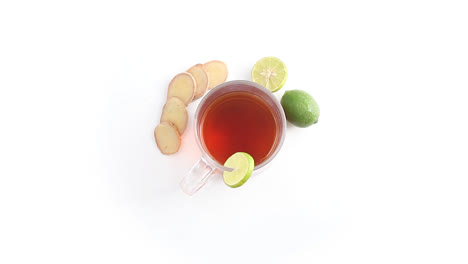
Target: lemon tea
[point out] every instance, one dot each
(239, 121)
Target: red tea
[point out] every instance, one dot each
(239, 121)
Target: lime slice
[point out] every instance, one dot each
(270, 72)
(243, 165)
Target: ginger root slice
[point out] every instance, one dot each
(217, 72)
(183, 86)
(201, 78)
(174, 112)
(167, 138)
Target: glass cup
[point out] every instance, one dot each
(207, 166)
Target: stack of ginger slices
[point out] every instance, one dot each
(184, 88)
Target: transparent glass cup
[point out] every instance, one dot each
(207, 166)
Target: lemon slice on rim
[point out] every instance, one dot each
(243, 165)
(270, 72)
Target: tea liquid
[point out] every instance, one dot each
(239, 121)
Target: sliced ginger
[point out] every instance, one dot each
(201, 78)
(174, 112)
(217, 72)
(183, 86)
(167, 138)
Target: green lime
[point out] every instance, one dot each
(243, 165)
(270, 72)
(300, 108)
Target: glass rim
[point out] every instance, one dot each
(268, 93)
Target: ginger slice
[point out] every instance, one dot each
(183, 85)
(174, 112)
(217, 72)
(167, 138)
(201, 78)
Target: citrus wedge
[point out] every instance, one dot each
(270, 72)
(243, 165)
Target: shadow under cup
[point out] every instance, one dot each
(241, 126)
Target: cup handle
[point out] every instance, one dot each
(197, 177)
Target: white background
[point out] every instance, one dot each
(381, 178)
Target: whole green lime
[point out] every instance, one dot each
(300, 108)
